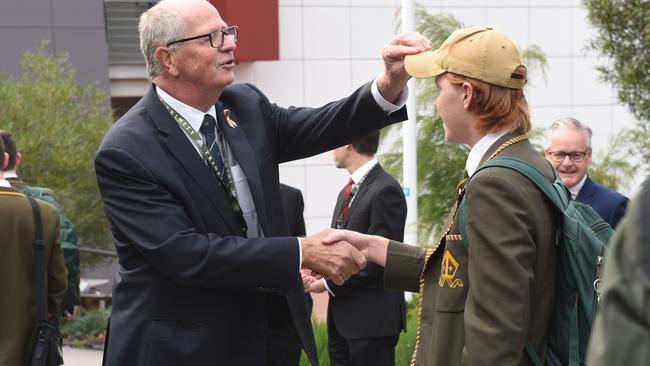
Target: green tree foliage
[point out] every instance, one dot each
(58, 124)
(440, 165)
(623, 36)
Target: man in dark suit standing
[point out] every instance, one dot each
(189, 182)
(569, 151)
(363, 319)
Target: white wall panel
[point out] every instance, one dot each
(370, 30)
(291, 33)
(326, 33)
(326, 81)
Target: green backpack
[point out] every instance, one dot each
(68, 244)
(583, 239)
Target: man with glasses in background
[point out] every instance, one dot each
(189, 183)
(569, 151)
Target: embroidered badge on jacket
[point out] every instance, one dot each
(449, 268)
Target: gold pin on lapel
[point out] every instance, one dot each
(231, 123)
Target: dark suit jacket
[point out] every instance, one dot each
(18, 315)
(193, 289)
(362, 308)
(610, 205)
(294, 206)
(480, 304)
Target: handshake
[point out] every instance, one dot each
(338, 254)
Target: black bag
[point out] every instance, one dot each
(47, 349)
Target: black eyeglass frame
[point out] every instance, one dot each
(572, 155)
(224, 33)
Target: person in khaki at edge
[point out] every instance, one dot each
(17, 307)
(480, 304)
(364, 320)
(569, 151)
(190, 186)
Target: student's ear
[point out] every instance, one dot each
(19, 159)
(468, 95)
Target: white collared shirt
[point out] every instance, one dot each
(479, 149)
(575, 190)
(361, 172)
(192, 115)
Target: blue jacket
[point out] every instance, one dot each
(608, 204)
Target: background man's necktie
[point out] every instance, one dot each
(208, 130)
(347, 198)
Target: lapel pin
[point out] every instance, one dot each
(231, 123)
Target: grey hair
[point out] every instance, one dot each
(158, 26)
(569, 123)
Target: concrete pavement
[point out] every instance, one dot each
(81, 357)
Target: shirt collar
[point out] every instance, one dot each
(576, 189)
(479, 149)
(4, 183)
(192, 115)
(363, 170)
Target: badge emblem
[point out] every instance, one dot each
(448, 271)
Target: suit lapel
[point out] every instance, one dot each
(183, 151)
(587, 191)
(245, 157)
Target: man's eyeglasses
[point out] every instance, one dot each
(575, 156)
(216, 37)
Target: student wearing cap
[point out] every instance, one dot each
(479, 304)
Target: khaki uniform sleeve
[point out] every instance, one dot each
(404, 266)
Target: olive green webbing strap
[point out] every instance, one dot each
(226, 182)
(39, 262)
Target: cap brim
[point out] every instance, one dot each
(424, 64)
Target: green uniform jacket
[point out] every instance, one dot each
(621, 334)
(480, 306)
(17, 303)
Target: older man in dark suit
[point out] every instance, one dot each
(569, 150)
(189, 182)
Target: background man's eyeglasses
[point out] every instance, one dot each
(575, 156)
(216, 37)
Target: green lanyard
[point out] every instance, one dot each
(226, 182)
(346, 202)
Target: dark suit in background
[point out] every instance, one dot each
(285, 342)
(364, 320)
(610, 205)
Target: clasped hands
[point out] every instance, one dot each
(337, 255)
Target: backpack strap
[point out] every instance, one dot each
(39, 262)
(556, 192)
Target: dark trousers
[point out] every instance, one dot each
(379, 351)
(282, 348)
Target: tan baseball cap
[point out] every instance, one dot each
(480, 53)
